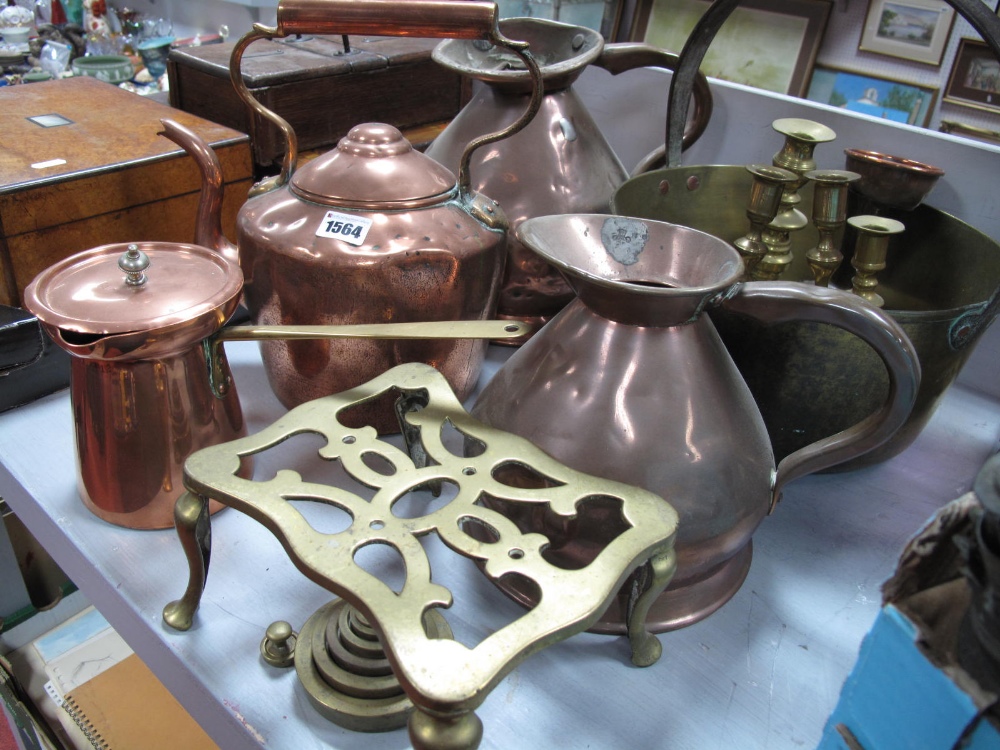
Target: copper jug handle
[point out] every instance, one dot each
(778, 302)
(461, 19)
(624, 56)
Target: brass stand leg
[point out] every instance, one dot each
(194, 528)
(645, 586)
(431, 732)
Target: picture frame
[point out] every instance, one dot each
(969, 131)
(974, 80)
(876, 96)
(767, 44)
(915, 30)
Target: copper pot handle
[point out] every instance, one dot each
(778, 302)
(624, 56)
(463, 19)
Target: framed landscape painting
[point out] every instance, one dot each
(767, 44)
(884, 98)
(915, 30)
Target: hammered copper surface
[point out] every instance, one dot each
(560, 162)
(431, 250)
(632, 382)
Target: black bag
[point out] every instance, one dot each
(31, 365)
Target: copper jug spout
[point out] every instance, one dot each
(208, 228)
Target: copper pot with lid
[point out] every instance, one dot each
(142, 401)
(371, 232)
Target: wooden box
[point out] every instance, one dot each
(321, 91)
(103, 175)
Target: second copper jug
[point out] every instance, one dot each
(631, 382)
(560, 162)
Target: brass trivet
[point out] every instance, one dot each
(444, 679)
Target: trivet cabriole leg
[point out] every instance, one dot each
(513, 508)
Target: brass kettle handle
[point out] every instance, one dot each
(779, 302)
(462, 19)
(624, 56)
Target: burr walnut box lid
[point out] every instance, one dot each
(82, 165)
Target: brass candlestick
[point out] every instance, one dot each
(829, 214)
(796, 155)
(765, 198)
(870, 253)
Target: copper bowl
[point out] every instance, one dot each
(891, 181)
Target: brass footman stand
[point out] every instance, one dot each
(372, 656)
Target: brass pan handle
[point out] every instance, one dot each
(464, 19)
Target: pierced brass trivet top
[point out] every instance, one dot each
(512, 510)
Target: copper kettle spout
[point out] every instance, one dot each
(208, 229)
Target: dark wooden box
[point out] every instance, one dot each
(321, 91)
(103, 176)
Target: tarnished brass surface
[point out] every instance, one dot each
(766, 193)
(619, 527)
(814, 380)
(630, 381)
(828, 216)
(870, 250)
(796, 155)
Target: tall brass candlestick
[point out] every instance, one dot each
(765, 197)
(796, 155)
(829, 214)
(870, 253)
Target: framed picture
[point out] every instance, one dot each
(970, 131)
(767, 44)
(975, 77)
(884, 98)
(915, 30)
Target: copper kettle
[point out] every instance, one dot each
(560, 162)
(371, 232)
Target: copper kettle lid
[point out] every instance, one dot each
(374, 167)
(125, 288)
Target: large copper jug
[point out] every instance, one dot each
(560, 162)
(631, 382)
(371, 232)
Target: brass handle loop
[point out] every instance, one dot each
(465, 19)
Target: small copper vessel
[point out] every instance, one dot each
(371, 232)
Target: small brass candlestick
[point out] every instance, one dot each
(870, 253)
(796, 155)
(829, 215)
(765, 197)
